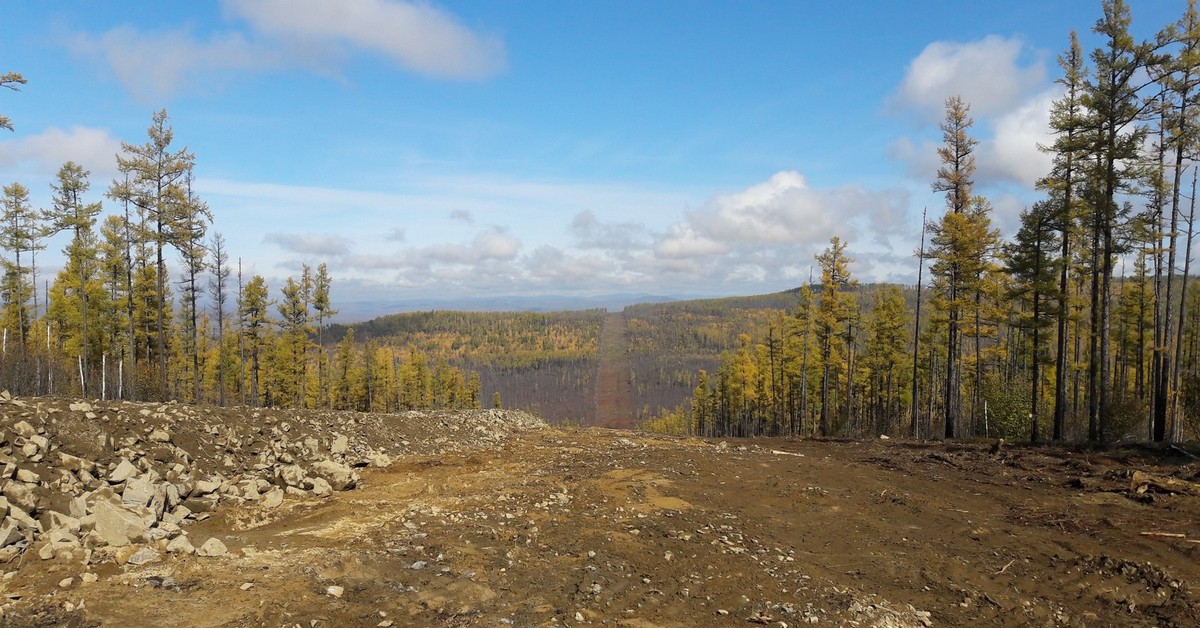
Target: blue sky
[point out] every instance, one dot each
(482, 149)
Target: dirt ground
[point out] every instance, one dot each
(599, 527)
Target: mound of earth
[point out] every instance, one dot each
(491, 518)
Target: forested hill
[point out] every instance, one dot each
(547, 362)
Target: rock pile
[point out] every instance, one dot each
(99, 481)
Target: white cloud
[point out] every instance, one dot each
(682, 241)
(310, 243)
(46, 152)
(987, 74)
(591, 233)
(758, 238)
(312, 34)
(496, 245)
(153, 66)
(919, 158)
(417, 35)
(1012, 153)
(782, 211)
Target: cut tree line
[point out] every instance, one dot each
(113, 324)
(1079, 328)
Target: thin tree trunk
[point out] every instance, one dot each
(915, 415)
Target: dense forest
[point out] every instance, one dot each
(113, 324)
(1038, 337)
(1082, 327)
(544, 362)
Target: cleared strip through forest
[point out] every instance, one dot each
(614, 393)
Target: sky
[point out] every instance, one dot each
(481, 149)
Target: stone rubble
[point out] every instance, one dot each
(119, 481)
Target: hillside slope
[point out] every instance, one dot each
(487, 519)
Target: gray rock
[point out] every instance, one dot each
(58, 541)
(273, 498)
(138, 492)
(320, 487)
(123, 472)
(290, 475)
(20, 494)
(145, 555)
(160, 436)
(24, 429)
(340, 445)
(23, 518)
(379, 460)
(206, 487)
(116, 525)
(54, 520)
(339, 476)
(74, 463)
(25, 475)
(180, 545)
(212, 547)
(10, 532)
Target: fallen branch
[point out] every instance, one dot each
(1178, 449)
(1005, 568)
(1169, 535)
(1143, 481)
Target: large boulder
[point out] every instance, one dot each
(118, 526)
(339, 476)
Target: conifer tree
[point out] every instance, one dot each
(294, 325)
(69, 213)
(17, 235)
(219, 277)
(1030, 260)
(1112, 96)
(955, 177)
(834, 309)
(155, 185)
(1069, 125)
(322, 312)
(11, 80)
(189, 231)
(887, 329)
(253, 307)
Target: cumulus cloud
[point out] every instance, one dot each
(462, 215)
(1010, 104)
(417, 35)
(591, 233)
(782, 211)
(1012, 153)
(310, 243)
(496, 245)
(682, 241)
(312, 34)
(987, 73)
(49, 150)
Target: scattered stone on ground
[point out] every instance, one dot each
(116, 513)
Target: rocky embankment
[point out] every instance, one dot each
(111, 481)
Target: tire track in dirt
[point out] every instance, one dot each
(614, 393)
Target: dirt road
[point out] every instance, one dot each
(614, 393)
(596, 527)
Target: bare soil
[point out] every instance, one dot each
(614, 392)
(554, 526)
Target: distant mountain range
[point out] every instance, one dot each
(354, 311)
